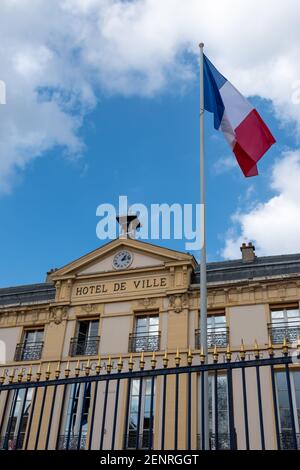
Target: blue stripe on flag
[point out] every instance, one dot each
(213, 102)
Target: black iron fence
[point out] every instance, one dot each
(131, 404)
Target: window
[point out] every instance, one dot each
(223, 419)
(286, 315)
(86, 342)
(217, 331)
(284, 410)
(144, 430)
(146, 336)
(32, 346)
(76, 417)
(285, 323)
(16, 425)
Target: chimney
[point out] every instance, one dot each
(129, 225)
(248, 252)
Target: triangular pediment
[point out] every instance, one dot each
(144, 256)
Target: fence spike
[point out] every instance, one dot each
(130, 363)
(256, 350)
(202, 355)
(142, 361)
(228, 353)
(98, 366)
(67, 370)
(20, 376)
(48, 372)
(11, 376)
(77, 369)
(285, 348)
(215, 354)
(57, 372)
(190, 357)
(108, 365)
(2, 378)
(165, 359)
(39, 373)
(120, 364)
(177, 358)
(29, 374)
(88, 368)
(270, 347)
(298, 343)
(242, 350)
(153, 360)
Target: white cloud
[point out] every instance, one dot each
(273, 226)
(67, 51)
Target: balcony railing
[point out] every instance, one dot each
(222, 443)
(279, 331)
(138, 343)
(287, 440)
(216, 336)
(84, 347)
(66, 442)
(29, 351)
(143, 440)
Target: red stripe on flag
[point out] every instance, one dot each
(253, 139)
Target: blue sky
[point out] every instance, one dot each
(146, 149)
(120, 117)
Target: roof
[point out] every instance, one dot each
(28, 294)
(261, 267)
(220, 271)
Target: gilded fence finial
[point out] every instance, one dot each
(67, 370)
(39, 373)
(11, 376)
(256, 350)
(120, 364)
(88, 368)
(285, 348)
(228, 353)
(20, 376)
(165, 359)
(142, 361)
(202, 355)
(98, 366)
(2, 378)
(29, 374)
(215, 354)
(190, 357)
(77, 369)
(270, 347)
(108, 365)
(48, 372)
(242, 351)
(298, 343)
(177, 358)
(130, 363)
(153, 360)
(57, 372)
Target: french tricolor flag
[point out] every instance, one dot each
(244, 129)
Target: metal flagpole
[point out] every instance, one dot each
(203, 287)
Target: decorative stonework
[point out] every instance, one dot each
(58, 314)
(147, 302)
(179, 302)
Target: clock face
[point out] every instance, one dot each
(122, 260)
